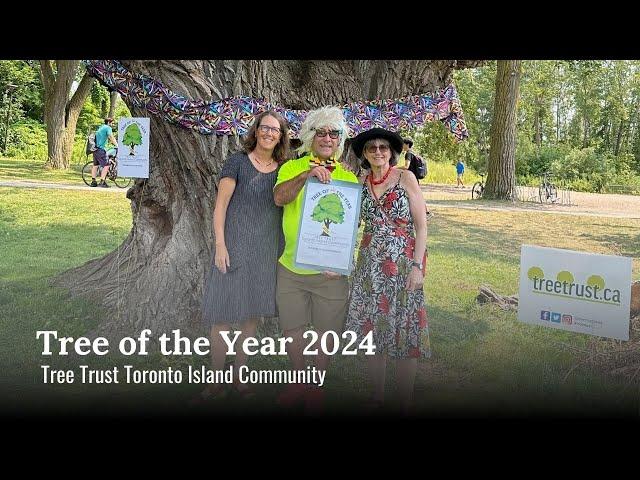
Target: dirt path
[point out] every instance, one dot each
(569, 203)
(439, 196)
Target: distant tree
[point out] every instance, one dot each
(61, 109)
(501, 174)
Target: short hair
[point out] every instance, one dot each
(331, 117)
(392, 161)
(281, 151)
(108, 120)
(408, 141)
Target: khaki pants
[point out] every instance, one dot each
(311, 299)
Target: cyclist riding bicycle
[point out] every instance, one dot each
(100, 157)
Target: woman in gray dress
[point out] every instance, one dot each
(241, 286)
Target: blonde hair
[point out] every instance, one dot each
(331, 117)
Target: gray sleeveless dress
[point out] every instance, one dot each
(253, 235)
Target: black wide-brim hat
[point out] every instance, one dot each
(357, 144)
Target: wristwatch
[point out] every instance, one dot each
(416, 264)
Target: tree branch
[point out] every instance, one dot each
(66, 75)
(81, 93)
(47, 76)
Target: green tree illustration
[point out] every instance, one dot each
(132, 137)
(328, 210)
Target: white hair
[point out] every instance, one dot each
(329, 117)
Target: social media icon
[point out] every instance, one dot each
(567, 319)
(555, 317)
(545, 314)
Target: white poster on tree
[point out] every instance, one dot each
(133, 147)
(575, 291)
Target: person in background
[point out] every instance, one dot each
(460, 172)
(103, 133)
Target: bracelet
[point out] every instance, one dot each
(416, 264)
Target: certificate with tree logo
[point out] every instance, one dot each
(133, 147)
(328, 226)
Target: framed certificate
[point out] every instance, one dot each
(328, 226)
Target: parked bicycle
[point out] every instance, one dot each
(478, 188)
(547, 190)
(112, 174)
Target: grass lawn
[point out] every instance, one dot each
(484, 360)
(34, 170)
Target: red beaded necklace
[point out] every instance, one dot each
(378, 182)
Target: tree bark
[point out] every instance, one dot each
(155, 278)
(585, 126)
(61, 113)
(501, 179)
(537, 138)
(113, 100)
(616, 149)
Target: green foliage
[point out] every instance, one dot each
(121, 109)
(89, 119)
(445, 173)
(27, 135)
(434, 143)
(26, 100)
(578, 119)
(28, 139)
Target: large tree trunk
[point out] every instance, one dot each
(501, 173)
(155, 278)
(61, 113)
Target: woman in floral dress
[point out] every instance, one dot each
(387, 295)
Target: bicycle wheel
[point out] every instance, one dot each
(122, 182)
(86, 173)
(552, 191)
(476, 190)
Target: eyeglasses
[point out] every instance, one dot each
(268, 129)
(332, 133)
(373, 148)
